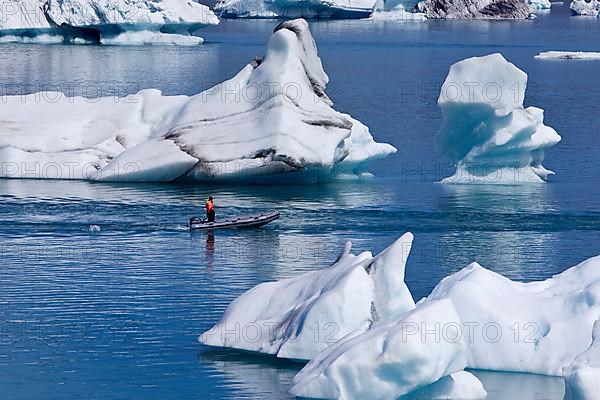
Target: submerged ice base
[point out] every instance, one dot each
(271, 123)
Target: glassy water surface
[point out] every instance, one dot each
(114, 313)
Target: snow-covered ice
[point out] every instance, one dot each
(486, 130)
(568, 55)
(104, 21)
(582, 376)
(318, 308)
(271, 121)
(537, 327)
(394, 358)
(587, 8)
(321, 9)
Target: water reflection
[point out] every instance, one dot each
(252, 376)
(503, 385)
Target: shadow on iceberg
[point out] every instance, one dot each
(271, 123)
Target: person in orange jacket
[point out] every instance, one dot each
(210, 210)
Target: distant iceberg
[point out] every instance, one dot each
(397, 10)
(104, 21)
(315, 9)
(474, 9)
(539, 5)
(568, 55)
(486, 130)
(272, 122)
(587, 8)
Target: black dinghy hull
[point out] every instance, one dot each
(242, 222)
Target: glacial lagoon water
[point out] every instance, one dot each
(113, 312)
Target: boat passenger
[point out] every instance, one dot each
(210, 210)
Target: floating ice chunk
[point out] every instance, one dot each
(299, 317)
(568, 55)
(587, 8)
(321, 9)
(539, 5)
(104, 21)
(395, 10)
(486, 130)
(536, 327)
(392, 359)
(95, 228)
(582, 376)
(272, 122)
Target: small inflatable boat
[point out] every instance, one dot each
(242, 222)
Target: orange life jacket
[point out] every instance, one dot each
(210, 206)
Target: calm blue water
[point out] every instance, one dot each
(115, 314)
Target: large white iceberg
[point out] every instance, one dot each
(589, 8)
(486, 130)
(374, 342)
(299, 317)
(394, 358)
(537, 327)
(104, 21)
(320, 9)
(582, 376)
(271, 122)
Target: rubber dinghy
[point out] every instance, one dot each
(197, 223)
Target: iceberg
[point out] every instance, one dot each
(486, 130)
(272, 122)
(539, 5)
(317, 308)
(568, 55)
(315, 9)
(536, 327)
(582, 376)
(104, 21)
(474, 9)
(397, 11)
(586, 8)
(398, 357)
